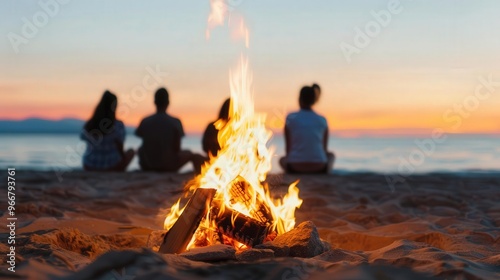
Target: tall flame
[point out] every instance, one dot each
(243, 156)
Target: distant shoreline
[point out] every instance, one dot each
(74, 126)
(131, 131)
(460, 154)
(470, 173)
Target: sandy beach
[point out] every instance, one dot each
(96, 226)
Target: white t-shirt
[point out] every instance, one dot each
(306, 130)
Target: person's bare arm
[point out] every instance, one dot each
(119, 145)
(178, 137)
(207, 137)
(121, 138)
(138, 131)
(287, 140)
(177, 144)
(325, 140)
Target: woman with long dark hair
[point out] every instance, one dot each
(105, 135)
(210, 142)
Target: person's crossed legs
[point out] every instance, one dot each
(308, 167)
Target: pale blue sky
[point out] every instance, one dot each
(429, 57)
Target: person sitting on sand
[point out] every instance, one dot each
(306, 138)
(210, 142)
(161, 140)
(105, 136)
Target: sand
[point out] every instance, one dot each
(96, 225)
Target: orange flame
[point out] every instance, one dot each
(243, 155)
(243, 161)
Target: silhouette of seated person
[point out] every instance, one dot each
(306, 138)
(105, 135)
(210, 141)
(161, 136)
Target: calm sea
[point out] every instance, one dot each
(383, 155)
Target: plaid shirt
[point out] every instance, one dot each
(103, 153)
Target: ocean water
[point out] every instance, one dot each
(458, 153)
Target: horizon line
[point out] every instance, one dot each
(341, 133)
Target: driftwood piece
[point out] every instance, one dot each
(179, 235)
(244, 229)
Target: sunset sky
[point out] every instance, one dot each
(410, 78)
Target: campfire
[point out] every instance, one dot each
(229, 201)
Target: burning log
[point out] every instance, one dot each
(240, 192)
(240, 227)
(179, 235)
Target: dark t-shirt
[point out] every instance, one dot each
(161, 140)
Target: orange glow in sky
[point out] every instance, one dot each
(418, 74)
